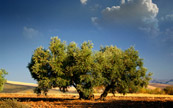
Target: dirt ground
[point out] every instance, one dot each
(68, 101)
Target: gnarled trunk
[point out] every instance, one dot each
(105, 93)
(82, 94)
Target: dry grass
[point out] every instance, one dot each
(12, 103)
(71, 100)
(157, 85)
(75, 95)
(57, 99)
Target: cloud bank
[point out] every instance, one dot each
(138, 13)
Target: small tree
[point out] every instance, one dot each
(168, 90)
(122, 71)
(2, 78)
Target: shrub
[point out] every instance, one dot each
(151, 91)
(156, 91)
(12, 103)
(169, 90)
(142, 90)
(2, 78)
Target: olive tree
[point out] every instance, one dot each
(122, 71)
(58, 56)
(2, 78)
(46, 66)
(41, 70)
(64, 65)
(79, 67)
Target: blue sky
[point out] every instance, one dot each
(28, 24)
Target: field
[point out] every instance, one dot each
(71, 100)
(56, 99)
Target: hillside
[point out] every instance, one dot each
(158, 85)
(162, 81)
(21, 87)
(14, 88)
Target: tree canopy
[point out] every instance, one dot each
(64, 65)
(122, 71)
(79, 68)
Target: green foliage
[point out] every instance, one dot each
(12, 103)
(169, 90)
(122, 71)
(40, 67)
(64, 65)
(79, 67)
(135, 73)
(58, 55)
(2, 78)
(46, 66)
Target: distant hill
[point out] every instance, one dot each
(162, 81)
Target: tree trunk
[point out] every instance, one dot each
(105, 93)
(82, 96)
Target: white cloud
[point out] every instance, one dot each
(169, 34)
(138, 13)
(84, 2)
(167, 28)
(167, 38)
(30, 32)
(168, 17)
(94, 19)
(95, 7)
